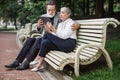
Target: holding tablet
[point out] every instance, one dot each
(45, 19)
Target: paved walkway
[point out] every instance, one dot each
(8, 52)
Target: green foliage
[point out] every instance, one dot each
(36, 9)
(9, 11)
(30, 11)
(75, 6)
(27, 11)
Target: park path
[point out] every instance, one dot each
(8, 52)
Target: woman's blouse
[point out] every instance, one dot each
(65, 31)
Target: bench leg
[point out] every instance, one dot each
(108, 59)
(77, 67)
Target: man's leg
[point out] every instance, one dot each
(29, 42)
(34, 50)
(25, 49)
(31, 55)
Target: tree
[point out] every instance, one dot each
(30, 11)
(9, 11)
(4, 11)
(13, 11)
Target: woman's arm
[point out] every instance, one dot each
(50, 28)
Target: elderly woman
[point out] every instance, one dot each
(62, 39)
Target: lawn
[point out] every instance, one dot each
(8, 29)
(100, 70)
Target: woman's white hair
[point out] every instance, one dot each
(67, 10)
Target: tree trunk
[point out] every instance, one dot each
(99, 8)
(87, 7)
(110, 12)
(5, 25)
(15, 24)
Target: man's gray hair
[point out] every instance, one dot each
(67, 9)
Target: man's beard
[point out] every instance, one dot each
(48, 15)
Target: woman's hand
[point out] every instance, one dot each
(49, 27)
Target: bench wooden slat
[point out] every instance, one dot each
(57, 62)
(52, 64)
(82, 57)
(92, 42)
(91, 27)
(94, 49)
(91, 38)
(56, 57)
(93, 20)
(92, 31)
(56, 53)
(86, 54)
(90, 52)
(87, 49)
(90, 34)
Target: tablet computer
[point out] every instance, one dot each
(45, 19)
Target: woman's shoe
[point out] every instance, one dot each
(33, 63)
(37, 69)
(34, 69)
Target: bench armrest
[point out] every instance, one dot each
(36, 34)
(80, 48)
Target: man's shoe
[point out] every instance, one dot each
(22, 67)
(12, 65)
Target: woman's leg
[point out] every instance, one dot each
(46, 45)
(65, 45)
(41, 59)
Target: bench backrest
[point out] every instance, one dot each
(92, 31)
(34, 26)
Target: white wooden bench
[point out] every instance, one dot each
(22, 34)
(34, 27)
(90, 46)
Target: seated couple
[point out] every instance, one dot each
(54, 39)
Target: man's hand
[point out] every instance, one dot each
(75, 26)
(39, 23)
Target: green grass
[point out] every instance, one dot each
(6, 29)
(113, 47)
